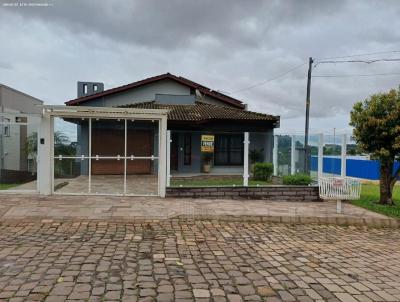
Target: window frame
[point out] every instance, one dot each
(6, 127)
(229, 150)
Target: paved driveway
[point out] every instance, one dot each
(176, 260)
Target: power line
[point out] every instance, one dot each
(354, 75)
(271, 79)
(361, 54)
(357, 61)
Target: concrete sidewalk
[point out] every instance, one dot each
(59, 207)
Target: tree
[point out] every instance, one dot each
(62, 144)
(376, 123)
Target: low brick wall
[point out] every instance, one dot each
(284, 193)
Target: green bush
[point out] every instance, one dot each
(263, 171)
(297, 179)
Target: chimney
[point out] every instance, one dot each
(88, 88)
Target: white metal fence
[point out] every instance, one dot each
(339, 188)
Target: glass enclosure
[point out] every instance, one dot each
(105, 156)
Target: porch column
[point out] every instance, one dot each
(320, 156)
(168, 157)
(292, 156)
(45, 156)
(343, 157)
(246, 160)
(162, 173)
(275, 155)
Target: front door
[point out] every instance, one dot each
(174, 152)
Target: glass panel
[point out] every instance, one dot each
(332, 155)
(107, 176)
(71, 136)
(71, 176)
(142, 177)
(108, 140)
(313, 158)
(260, 151)
(142, 138)
(299, 154)
(284, 154)
(108, 137)
(18, 151)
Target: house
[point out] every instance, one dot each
(19, 114)
(195, 113)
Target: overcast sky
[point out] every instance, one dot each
(225, 45)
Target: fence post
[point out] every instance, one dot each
(275, 155)
(246, 160)
(343, 157)
(169, 158)
(320, 156)
(292, 156)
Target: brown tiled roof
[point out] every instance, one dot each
(203, 89)
(200, 111)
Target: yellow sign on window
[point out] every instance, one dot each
(207, 143)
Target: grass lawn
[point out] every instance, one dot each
(7, 186)
(214, 182)
(369, 197)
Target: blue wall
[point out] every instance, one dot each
(367, 169)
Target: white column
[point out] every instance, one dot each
(90, 155)
(125, 150)
(45, 155)
(169, 157)
(246, 160)
(320, 156)
(275, 155)
(343, 157)
(292, 157)
(162, 164)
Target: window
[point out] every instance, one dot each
(95, 87)
(187, 149)
(6, 129)
(85, 88)
(228, 150)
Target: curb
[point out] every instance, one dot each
(340, 221)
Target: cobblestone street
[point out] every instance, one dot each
(174, 260)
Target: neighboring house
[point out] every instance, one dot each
(194, 110)
(19, 118)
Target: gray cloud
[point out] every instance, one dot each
(227, 45)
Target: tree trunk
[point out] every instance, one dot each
(386, 186)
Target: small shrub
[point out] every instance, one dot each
(263, 171)
(297, 179)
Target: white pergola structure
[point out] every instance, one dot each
(46, 140)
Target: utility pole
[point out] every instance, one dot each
(306, 149)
